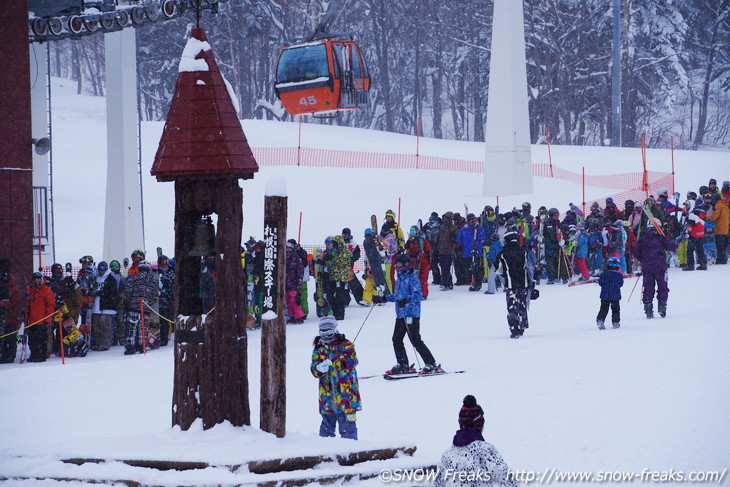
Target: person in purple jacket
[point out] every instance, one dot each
(294, 274)
(610, 281)
(650, 251)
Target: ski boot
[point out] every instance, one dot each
(649, 309)
(401, 369)
(129, 350)
(475, 287)
(616, 325)
(662, 307)
(431, 369)
(600, 324)
(442, 288)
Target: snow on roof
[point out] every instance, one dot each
(188, 63)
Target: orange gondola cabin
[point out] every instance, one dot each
(323, 75)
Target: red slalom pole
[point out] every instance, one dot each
(60, 338)
(141, 319)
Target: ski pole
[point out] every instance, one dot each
(633, 289)
(363, 323)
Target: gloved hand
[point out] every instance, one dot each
(561, 242)
(403, 302)
(324, 366)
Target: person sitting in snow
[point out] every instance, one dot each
(334, 363)
(470, 454)
(407, 299)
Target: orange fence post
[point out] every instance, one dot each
(418, 137)
(299, 142)
(584, 191)
(550, 156)
(141, 320)
(299, 235)
(60, 338)
(645, 182)
(671, 145)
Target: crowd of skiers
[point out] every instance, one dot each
(106, 304)
(514, 250)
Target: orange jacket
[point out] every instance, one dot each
(42, 303)
(721, 217)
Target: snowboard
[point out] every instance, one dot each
(375, 259)
(323, 307)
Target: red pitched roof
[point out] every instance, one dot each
(202, 134)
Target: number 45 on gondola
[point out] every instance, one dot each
(323, 74)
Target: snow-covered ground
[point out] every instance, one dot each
(651, 395)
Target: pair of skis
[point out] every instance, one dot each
(413, 375)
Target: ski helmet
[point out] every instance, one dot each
(662, 192)
(56, 270)
(402, 261)
(553, 211)
(390, 213)
(526, 206)
(691, 195)
(511, 236)
(613, 262)
(37, 275)
(114, 265)
(86, 259)
(139, 252)
(102, 267)
(617, 224)
(651, 224)
(704, 189)
(713, 181)
(346, 232)
(368, 231)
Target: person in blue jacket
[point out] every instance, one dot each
(471, 240)
(407, 298)
(610, 281)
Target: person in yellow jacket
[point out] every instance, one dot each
(720, 216)
(394, 242)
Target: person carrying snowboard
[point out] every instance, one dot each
(407, 299)
(334, 363)
(513, 263)
(610, 281)
(376, 283)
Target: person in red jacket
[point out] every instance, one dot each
(41, 302)
(419, 250)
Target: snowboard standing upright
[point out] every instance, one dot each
(375, 258)
(320, 298)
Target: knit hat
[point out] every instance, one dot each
(609, 200)
(368, 231)
(327, 326)
(390, 213)
(471, 415)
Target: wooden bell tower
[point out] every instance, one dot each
(204, 151)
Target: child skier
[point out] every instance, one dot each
(333, 362)
(610, 281)
(407, 296)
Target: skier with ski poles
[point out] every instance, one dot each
(471, 240)
(407, 296)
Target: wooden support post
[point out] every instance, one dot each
(273, 329)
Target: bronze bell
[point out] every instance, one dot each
(203, 239)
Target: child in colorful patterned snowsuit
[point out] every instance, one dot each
(333, 362)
